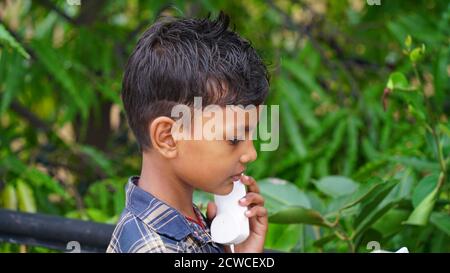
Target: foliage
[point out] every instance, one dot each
(364, 106)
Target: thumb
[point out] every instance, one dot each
(211, 210)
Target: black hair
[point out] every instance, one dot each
(177, 59)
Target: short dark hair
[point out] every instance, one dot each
(177, 59)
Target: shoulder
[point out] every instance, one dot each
(132, 235)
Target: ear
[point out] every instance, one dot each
(162, 138)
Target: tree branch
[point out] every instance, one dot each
(30, 117)
(50, 5)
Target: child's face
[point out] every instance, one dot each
(210, 165)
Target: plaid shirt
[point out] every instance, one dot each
(147, 224)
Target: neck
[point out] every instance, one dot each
(158, 179)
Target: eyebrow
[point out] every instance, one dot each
(246, 128)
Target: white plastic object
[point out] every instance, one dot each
(401, 250)
(230, 226)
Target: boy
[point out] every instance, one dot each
(174, 61)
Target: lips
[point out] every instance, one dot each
(237, 176)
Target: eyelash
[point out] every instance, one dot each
(234, 141)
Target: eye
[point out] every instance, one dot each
(234, 141)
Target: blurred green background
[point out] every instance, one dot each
(364, 101)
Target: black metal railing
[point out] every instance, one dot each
(35, 229)
(55, 232)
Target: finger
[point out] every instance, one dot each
(252, 198)
(259, 225)
(211, 210)
(256, 211)
(250, 182)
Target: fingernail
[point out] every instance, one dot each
(243, 200)
(247, 213)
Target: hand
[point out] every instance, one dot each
(257, 215)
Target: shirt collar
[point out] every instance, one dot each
(160, 216)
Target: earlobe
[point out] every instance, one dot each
(160, 132)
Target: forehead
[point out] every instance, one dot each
(234, 116)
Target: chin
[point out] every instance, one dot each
(224, 189)
(228, 188)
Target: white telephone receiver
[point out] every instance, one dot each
(230, 226)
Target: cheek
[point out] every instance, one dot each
(204, 162)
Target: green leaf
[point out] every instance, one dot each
(7, 39)
(97, 215)
(304, 176)
(442, 221)
(99, 158)
(38, 178)
(13, 82)
(404, 189)
(440, 74)
(25, 197)
(101, 195)
(415, 23)
(304, 76)
(284, 237)
(324, 240)
(35, 176)
(337, 140)
(336, 186)
(390, 223)
(298, 215)
(328, 123)
(316, 202)
(408, 41)
(417, 54)
(397, 80)
(350, 200)
(293, 130)
(52, 62)
(119, 199)
(424, 188)
(421, 213)
(444, 129)
(369, 168)
(374, 199)
(77, 214)
(293, 95)
(322, 167)
(372, 217)
(415, 99)
(419, 115)
(370, 152)
(416, 163)
(105, 89)
(9, 198)
(352, 144)
(280, 194)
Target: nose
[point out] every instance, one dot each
(250, 154)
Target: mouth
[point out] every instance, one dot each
(237, 176)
